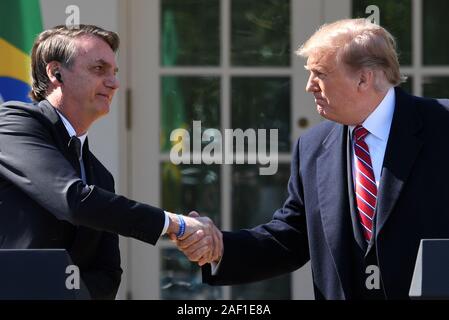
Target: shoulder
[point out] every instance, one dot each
(25, 119)
(320, 131)
(19, 106)
(18, 112)
(310, 144)
(316, 135)
(434, 110)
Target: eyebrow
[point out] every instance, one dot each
(317, 68)
(104, 63)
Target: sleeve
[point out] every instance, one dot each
(30, 160)
(277, 247)
(103, 280)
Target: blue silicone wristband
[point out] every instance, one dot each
(182, 226)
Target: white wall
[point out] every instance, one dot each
(107, 137)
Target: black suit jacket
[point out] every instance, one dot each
(45, 204)
(316, 222)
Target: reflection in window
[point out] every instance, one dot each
(257, 194)
(262, 103)
(260, 33)
(436, 25)
(408, 85)
(190, 32)
(185, 99)
(254, 200)
(396, 17)
(181, 279)
(436, 87)
(191, 187)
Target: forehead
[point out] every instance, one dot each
(91, 49)
(320, 60)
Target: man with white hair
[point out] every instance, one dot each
(363, 190)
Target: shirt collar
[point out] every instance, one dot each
(71, 131)
(379, 121)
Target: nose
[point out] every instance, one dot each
(112, 82)
(312, 85)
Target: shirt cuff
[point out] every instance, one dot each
(166, 223)
(214, 267)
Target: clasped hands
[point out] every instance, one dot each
(202, 241)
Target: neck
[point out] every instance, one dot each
(78, 122)
(372, 101)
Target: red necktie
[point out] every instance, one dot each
(365, 184)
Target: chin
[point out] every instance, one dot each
(101, 112)
(321, 110)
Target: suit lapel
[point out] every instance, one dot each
(402, 149)
(333, 200)
(358, 233)
(60, 133)
(88, 166)
(84, 237)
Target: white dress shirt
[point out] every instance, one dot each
(378, 124)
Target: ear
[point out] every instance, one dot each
(51, 68)
(366, 79)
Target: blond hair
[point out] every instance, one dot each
(359, 44)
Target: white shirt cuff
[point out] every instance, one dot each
(166, 223)
(214, 267)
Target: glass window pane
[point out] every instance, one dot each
(436, 87)
(255, 197)
(191, 187)
(408, 85)
(260, 33)
(190, 32)
(396, 17)
(262, 103)
(181, 279)
(436, 25)
(254, 200)
(185, 99)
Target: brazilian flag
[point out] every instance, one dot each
(20, 23)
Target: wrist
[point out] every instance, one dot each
(182, 226)
(173, 225)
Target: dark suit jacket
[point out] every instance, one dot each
(316, 222)
(44, 203)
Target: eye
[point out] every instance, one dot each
(320, 75)
(99, 68)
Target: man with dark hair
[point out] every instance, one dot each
(57, 45)
(54, 193)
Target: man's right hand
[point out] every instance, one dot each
(202, 241)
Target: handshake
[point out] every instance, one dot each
(201, 241)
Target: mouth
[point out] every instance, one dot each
(319, 98)
(320, 101)
(105, 96)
